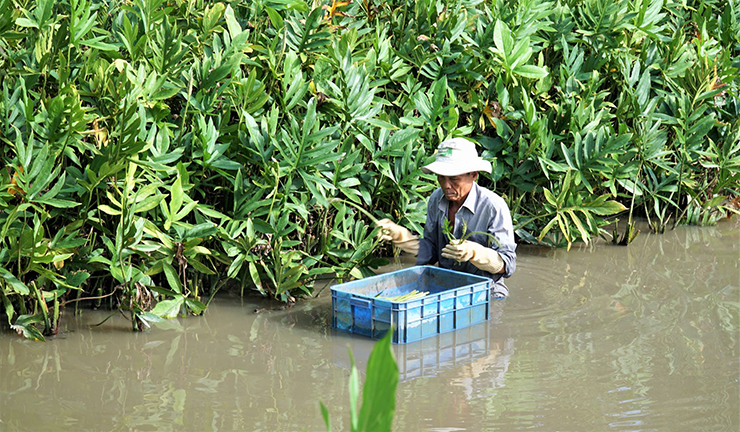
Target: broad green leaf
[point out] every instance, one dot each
(201, 230)
(356, 273)
(379, 391)
(11, 280)
(520, 54)
(169, 308)
(231, 22)
(608, 208)
(547, 228)
(78, 278)
(502, 39)
(185, 211)
(325, 415)
(254, 274)
(176, 196)
(195, 306)
(550, 197)
(643, 88)
(173, 279)
(58, 203)
(531, 71)
(579, 226)
(25, 325)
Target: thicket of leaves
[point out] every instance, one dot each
(155, 150)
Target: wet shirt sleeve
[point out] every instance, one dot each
(501, 227)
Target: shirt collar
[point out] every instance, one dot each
(472, 198)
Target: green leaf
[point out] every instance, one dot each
(177, 196)
(58, 203)
(169, 308)
(325, 415)
(9, 310)
(25, 325)
(11, 280)
(550, 197)
(608, 208)
(24, 22)
(379, 391)
(195, 306)
(148, 317)
(254, 274)
(502, 38)
(531, 71)
(105, 208)
(185, 210)
(231, 22)
(173, 279)
(148, 203)
(356, 273)
(275, 18)
(579, 226)
(547, 228)
(521, 53)
(201, 230)
(643, 88)
(200, 267)
(78, 278)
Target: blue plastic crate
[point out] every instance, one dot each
(455, 300)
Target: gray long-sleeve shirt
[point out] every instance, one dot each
(484, 211)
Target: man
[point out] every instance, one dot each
(464, 204)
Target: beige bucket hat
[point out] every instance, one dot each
(456, 156)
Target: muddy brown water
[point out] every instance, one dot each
(598, 338)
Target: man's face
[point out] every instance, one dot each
(456, 188)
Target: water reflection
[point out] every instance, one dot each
(643, 338)
(468, 350)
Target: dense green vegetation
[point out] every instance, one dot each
(154, 151)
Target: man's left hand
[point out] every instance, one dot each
(460, 252)
(480, 256)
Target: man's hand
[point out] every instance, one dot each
(480, 256)
(400, 236)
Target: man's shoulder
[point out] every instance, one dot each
(489, 196)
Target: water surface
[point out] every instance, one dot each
(598, 338)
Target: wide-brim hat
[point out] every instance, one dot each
(456, 156)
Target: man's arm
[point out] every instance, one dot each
(502, 228)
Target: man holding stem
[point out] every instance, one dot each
(477, 218)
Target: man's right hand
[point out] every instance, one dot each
(389, 231)
(400, 236)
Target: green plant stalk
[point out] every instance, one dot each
(55, 321)
(357, 207)
(42, 304)
(447, 230)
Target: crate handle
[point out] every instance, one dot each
(361, 303)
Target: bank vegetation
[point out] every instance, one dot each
(154, 151)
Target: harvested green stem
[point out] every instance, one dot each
(413, 295)
(448, 232)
